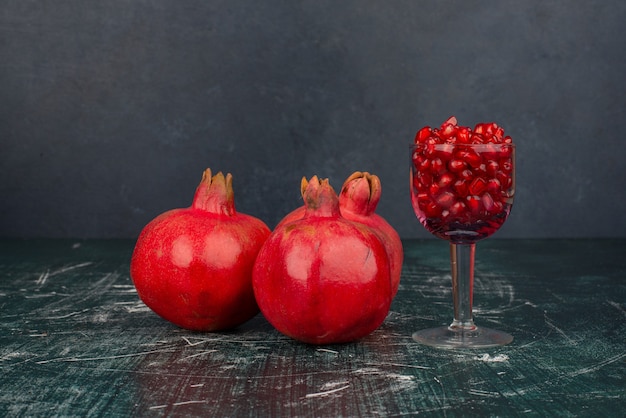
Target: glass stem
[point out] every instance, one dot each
(462, 263)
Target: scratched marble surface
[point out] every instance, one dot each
(76, 341)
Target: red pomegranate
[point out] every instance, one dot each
(323, 279)
(193, 266)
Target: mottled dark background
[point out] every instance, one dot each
(111, 110)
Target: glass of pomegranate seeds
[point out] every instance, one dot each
(462, 189)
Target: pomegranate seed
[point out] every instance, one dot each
(498, 207)
(424, 164)
(474, 204)
(481, 170)
(466, 174)
(506, 165)
(451, 121)
(458, 208)
(505, 180)
(486, 129)
(472, 158)
(447, 131)
(505, 151)
(460, 186)
(445, 151)
(487, 201)
(463, 135)
(425, 179)
(492, 168)
(491, 152)
(499, 132)
(494, 186)
(445, 199)
(445, 180)
(477, 138)
(423, 134)
(431, 210)
(438, 166)
(423, 198)
(477, 186)
(457, 165)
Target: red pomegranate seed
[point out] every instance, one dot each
(505, 180)
(506, 165)
(423, 164)
(499, 132)
(486, 129)
(425, 179)
(431, 210)
(466, 174)
(461, 188)
(477, 186)
(481, 170)
(457, 165)
(445, 199)
(447, 131)
(463, 135)
(472, 158)
(445, 180)
(474, 204)
(492, 168)
(445, 151)
(498, 207)
(451, 121)
(487, 201)
(438, 166)
(423, 197)
(494, 186)
(477, 138)
(423, 134)
(458, 208)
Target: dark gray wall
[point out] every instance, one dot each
(111, 110)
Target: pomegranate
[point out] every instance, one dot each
(462, 179)
(193, 266)
(323, 279)
(358, 200)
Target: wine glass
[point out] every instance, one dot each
(462, 193)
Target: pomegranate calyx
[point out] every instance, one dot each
(360, 193)
(215, 194)
(320, 199)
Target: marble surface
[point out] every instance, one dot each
(76, 341)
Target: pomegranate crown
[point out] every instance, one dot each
(360, 193)
(319, 197)
(215, 194)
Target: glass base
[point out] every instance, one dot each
(446, 337)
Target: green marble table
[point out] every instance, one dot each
(76, 341)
